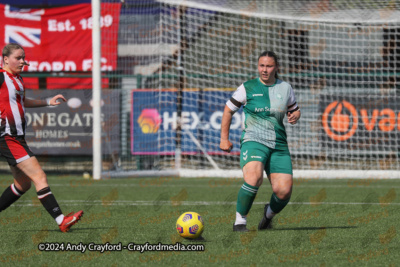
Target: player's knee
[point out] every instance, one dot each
(23, 186)
(284, 192)
(26, 186)
(253, 178)
(40, 179)
(256, 182)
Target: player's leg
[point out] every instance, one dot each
(282, 190)
(21, 181)
(26, 168)
(252, 161)
(280, 175)
(31, 168)
(11, 149)
(14, 191)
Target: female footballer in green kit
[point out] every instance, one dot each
(263, 144)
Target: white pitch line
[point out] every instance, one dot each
(82, 184)
(186, 203)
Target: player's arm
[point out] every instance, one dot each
(293, 110)
(237, 100)
(35, 103)
(225, 144)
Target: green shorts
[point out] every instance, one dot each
(274, 160)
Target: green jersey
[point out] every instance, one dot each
(265, 107)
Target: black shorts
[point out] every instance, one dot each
(14, 149)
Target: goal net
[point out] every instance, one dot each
(341, 57)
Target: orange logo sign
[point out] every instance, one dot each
(339, 125)
(149, 120)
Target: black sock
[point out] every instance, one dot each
(9, 196)
(49, 202)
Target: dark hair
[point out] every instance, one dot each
(270, 54)
(9, 49)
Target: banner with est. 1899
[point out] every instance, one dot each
(60, 38)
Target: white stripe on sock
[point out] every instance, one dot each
(249, 189)
(15, 190)
(42, 196)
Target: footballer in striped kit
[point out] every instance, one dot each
(24, 166)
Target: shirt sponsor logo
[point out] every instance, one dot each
(267, 109)
(255, 157)
(257, 94)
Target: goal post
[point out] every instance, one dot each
(96, 74)
(342, 59)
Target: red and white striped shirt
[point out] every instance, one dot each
(12, 110)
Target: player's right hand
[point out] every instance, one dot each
(54, 100)
(225, 145)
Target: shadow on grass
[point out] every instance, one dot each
(58, 230)
(314, 228)
(199, 239)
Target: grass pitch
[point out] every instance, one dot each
(327, 223)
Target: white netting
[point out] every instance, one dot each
(341, 57)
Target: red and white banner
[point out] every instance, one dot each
(60, 38)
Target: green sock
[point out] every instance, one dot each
(246, 196)
(277, 204)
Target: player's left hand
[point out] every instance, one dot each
(54, 101)
(293, 117)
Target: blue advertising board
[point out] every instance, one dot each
(154, 121)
